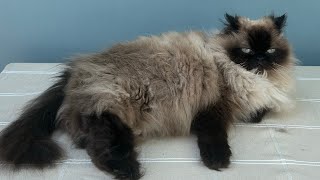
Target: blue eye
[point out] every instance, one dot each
(270, 51)
(246, 50)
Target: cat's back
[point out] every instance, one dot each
(166, 56)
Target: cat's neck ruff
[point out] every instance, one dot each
(250, 90)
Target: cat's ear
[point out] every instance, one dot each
(279, 21)
(232, 22)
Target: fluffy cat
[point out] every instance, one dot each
(168, 85)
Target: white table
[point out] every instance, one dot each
(283, 146)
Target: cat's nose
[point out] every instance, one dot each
(260, 58)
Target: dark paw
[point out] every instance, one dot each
(125, 169)
(215, 156)
(122, 165)
(255, 120)
(258, 116)
(81, 142)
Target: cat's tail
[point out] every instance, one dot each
(27, 140)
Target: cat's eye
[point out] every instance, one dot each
(246, 50)
(270, 51)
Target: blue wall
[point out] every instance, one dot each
(52, 30)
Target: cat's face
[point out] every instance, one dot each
(257, 44)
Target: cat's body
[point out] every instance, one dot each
(166, 85)
(155, 84)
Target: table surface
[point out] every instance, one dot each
(283, 146)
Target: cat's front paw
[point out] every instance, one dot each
(258, 116)
(215, 156)
(126, 170)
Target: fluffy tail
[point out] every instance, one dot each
(27, 140)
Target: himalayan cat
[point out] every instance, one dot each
(168, 85)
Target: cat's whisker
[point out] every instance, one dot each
(281, 66)
(264, 73)
(279, 73)
(283, 70)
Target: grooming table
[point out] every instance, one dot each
(283, 146)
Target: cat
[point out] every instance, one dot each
(168, 85)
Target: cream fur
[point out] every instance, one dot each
(157, 84)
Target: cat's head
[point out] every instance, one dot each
(257, 45)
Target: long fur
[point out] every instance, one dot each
(157, 84)
(27, 140)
